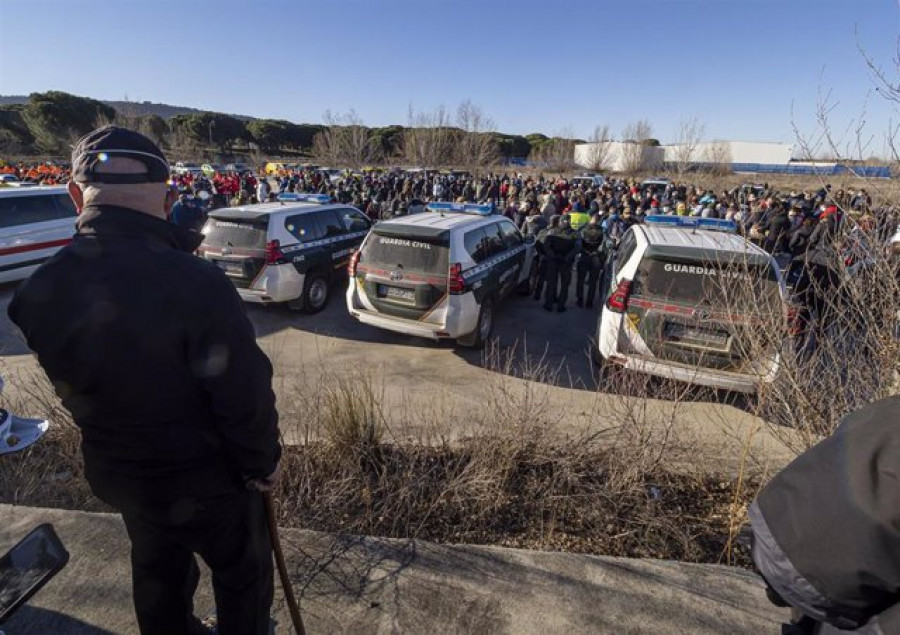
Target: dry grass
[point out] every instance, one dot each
(602, 491)
(49, 473)
(517, 483)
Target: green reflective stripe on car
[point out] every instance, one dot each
(491, 262)
(495, 276)
(323, 241)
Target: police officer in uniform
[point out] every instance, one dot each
(590, 263)
(560, 246)
(539, 271)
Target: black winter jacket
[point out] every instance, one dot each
(821, 247)
(150, 350)
(827, 528)
(560, 245)
(779, 232)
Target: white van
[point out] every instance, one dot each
(35, 223)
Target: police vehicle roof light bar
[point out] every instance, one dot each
(460, 208)
(293, 197)
(692, 222)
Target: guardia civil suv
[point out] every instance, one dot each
(691, 300)
(287, 252)
(440, 274)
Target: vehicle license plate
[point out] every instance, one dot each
(703, 337)
(396, 293)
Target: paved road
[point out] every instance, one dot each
(434, 391)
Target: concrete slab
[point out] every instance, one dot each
(365, 585)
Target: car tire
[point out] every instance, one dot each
(316, 292)
(483, 328)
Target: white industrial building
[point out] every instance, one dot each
(743, 156)
(617, 156)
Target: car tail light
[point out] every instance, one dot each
(455, 282)
(274, 255)
(351, 266)
(618, 301)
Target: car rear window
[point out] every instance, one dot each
(25, 210)
(234, 232)
(421, 255)
(739, 286)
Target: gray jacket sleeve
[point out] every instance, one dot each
(827, 528)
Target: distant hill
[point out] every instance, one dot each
(131, 108)
(46, 124)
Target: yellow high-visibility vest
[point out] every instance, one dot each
(577, 220)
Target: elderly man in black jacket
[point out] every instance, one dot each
(150, 350)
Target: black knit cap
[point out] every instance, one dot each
(107, 142)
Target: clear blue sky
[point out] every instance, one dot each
(549, 66)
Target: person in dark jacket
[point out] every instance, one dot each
(560, 247)
(187, 213)
(797, 244)
(150, 350)
(590, 262)
(825, 529)
(539, 269)
(777, 230)
(820, 280)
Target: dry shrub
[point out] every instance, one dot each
(50, 472)
(352, 418)
(518, 482)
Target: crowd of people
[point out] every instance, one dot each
(571, 219)
(48, 173)
(573, 222)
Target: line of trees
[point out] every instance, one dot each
(50, 123)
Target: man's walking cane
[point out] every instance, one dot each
(293, 607)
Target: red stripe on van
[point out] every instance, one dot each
(8, 251)
(674, 309)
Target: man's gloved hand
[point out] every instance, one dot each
(266, 484)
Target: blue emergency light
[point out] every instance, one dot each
(460, 208)
(293, 197)
(692, 222)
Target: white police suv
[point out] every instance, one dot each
(290, 251)
(688, 299)
(440, 274)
